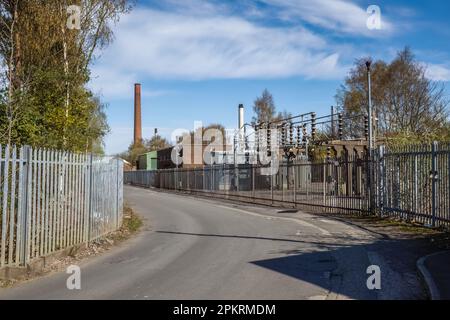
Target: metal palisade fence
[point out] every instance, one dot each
(51, 200)
(411, 183)
(322, 186)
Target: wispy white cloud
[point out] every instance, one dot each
(196, 7)
(339, 16)
(174, 45)
(437, 72)
(210, 39)
(111, 82)
(402, 11)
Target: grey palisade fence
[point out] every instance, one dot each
(51, 200)
(411, 183)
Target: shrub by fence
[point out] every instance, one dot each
(51, 200)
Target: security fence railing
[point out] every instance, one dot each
(51, 200)
(337, 185)
(411, 183)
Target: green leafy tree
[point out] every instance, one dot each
(136, 149)
(157, 143)
(45, 101)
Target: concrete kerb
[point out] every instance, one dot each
(37, 266)
(427, 276)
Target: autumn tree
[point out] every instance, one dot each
(136, 149)
(213, 126)
(45, 99)
(264, 108)
(157, 143)
(406, 103)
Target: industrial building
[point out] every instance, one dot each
(148, 161)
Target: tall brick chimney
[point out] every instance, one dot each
(137, 114)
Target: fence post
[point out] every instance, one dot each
(90, 211)
(237, 177)
(26, 203)
(294, 171)
(448, 178)
(175, 178)
(271, 185)
(117, 194)
(416, 185)
(324, 183)
(204, 179)
(253, 180)
(433, 182)
(381, 172)
(4, 212)
(188, 186)
(281, 182)
(195, 179)
(212, 178)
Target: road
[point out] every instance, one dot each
(204, 249)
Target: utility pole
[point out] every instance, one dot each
(369, 111)
(371, 146)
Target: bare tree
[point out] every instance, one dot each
(264, 108)
(405, 101)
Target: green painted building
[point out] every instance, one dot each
(148, 161)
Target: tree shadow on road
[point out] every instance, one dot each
(343, 270)
(340, 266)
(247, 237)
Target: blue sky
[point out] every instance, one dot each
(198, 59)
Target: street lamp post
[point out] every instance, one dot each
(371, 142)
(369, 111)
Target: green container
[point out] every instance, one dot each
(148, 161)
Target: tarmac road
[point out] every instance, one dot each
(203, 249)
